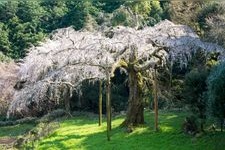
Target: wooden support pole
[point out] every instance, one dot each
(156, 100)
(171, 75)
(100, 104)
(108, 107)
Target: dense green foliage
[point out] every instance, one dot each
(195, 93)
(4, 58)
(25, 23)
(216, 92)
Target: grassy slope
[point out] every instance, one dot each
(15, 130)
(84, 133)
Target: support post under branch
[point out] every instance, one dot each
(156, 100)
(100, 104)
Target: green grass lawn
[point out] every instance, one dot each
(83, 133)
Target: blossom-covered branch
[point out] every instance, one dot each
(71, 56)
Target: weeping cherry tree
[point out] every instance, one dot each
(54, 69)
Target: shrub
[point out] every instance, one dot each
(53, 115)
(4, 58)
(19, 121)
(121, 17)
(216, 93)
(190, 126)
(195, 88)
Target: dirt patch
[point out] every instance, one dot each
(7, 141)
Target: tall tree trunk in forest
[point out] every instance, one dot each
(100, 103)
(156, 100)
(135, 112)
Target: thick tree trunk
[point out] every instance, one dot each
(100, 104)
(135, 112)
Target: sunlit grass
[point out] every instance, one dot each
(83, 133)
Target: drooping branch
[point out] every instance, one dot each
(73, 56)
(8, 80)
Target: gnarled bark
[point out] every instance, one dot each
(135, 112)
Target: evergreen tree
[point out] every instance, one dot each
(195, 93)
(216, 93)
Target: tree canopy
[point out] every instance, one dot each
(87, 55)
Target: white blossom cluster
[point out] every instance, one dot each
(8, 78)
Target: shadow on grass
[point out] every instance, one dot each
(143, 137)
(92, 140)
(59, 142)
(91, 137)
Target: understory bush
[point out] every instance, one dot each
(4, 58)
(58, 113)
(216, 93)
(190, 126)
(19, 121)
(195, 93)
